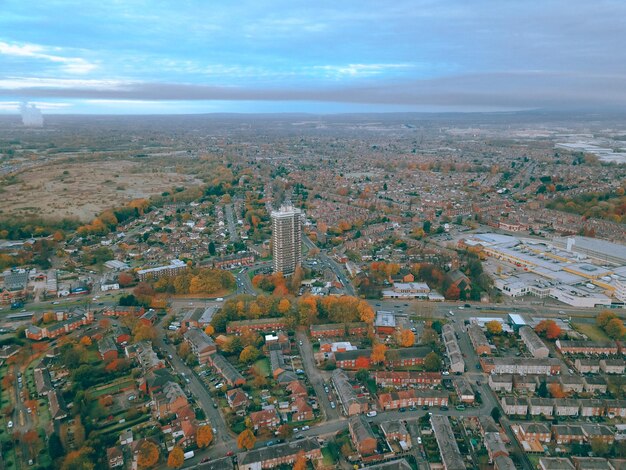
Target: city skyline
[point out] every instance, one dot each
(356, 57)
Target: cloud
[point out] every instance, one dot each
(71, 65)
(521, 90)
(17, 83)
(358, 70)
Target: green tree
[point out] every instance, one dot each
(496, 414)
(542, 390)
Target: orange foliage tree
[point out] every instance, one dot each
(407, 338)
(301, 462)
(148, 454)
(176, 458)
(204, 436)
(378, 353)
(246, 439)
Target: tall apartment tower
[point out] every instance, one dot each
(286, 239)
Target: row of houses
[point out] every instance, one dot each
(403, 379)
(533, 342)
(201, 344)
(520, 365)
(72, 322)
(455, 357)
(587, 407)
(361, 358)
(478, 339)
(412, 398)
(257, 324)
(338, 330)
(580, 463)
(531, 434)
(281, 454)
(588, 348)
(350, 402)
(593, 366)
(530, 383)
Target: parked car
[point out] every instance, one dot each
(371, 414)
(402, 410)
(443, 408)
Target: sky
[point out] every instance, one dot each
(246, 56)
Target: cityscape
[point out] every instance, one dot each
(316, 270)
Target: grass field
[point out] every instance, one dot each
(112, 388)
(593, 332)
(263, 366)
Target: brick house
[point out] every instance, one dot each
(301, 410)
(409, 398)
(265, 419)
(259, 324)
(362, 435)
(281, 454)
(406, 378)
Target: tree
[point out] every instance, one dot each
(556, 390)
(209, 330)
(496, 414)
(362, 375)
(144, 332)
(453, 293)
(85, 341)
(494, 327)
(204, 436)
(615, 328)
(553, 331)
(283, 306)
(249, 354)
(176, 458)
(285, 431)
(542, 390)
(407, 338)
(378, 353)
(599, 447)
(246, 440)
(301, 462)
(125, 279)
(55, 447)
(604, 317)
(432, 362)
(148, 454)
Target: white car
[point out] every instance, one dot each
(371, 414)
(445, 372)
(419, 440)
(305, 428)
(10, 424)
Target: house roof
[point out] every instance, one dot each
(361, 429)
(288, 449)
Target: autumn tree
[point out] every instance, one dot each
(604, 317)
(176, 458)
(85, 341)
(125, 279)
(283, 306)
(144, 332)
(494, 327)
(209, 330)
(407, 338)
(147, 454)
(548, 328)
(452, 293)
(432, 362)
(615, 328)
(249, 354)
(378, 353)
(301, 461)
(285, 431)
(556, 390)
(204, 436)
(553, 331)
(246, 440)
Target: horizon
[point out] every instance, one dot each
(416, 56)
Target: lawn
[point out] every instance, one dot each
(328, 458)
(263, 366)
(593, 332)
(113, 387)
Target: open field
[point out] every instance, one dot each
(83, 190)
(592, 331)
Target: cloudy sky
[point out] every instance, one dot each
(195, 56)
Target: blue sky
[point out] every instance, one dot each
(192, 56)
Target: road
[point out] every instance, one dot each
(223, 441)
(315, 377)
(230, 220)
(333, 265)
